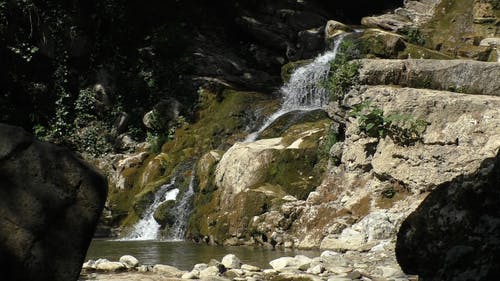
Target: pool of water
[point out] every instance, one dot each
(184, 255)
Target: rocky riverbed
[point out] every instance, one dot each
(375, 263)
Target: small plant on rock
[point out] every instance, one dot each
(344, 71)
(403, 129)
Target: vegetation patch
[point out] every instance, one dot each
(344, 72)
(403, 129)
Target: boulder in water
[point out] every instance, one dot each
(50, 202)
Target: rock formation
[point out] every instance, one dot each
(50, 202)
(454, 234)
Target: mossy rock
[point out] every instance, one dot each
(419, 52)
(205, 169)
(289, 68)
(382, 44)
(286, 121)
(221, 120)
(164, 214)
(455, 26)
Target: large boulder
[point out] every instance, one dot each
(455, 233)
(463, 76)
(412, 14)
(50, 202)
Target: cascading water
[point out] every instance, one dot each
(147, 228)
(304, 91)
(182, 211)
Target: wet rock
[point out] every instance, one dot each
(50, 202)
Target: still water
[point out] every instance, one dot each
(184, 255)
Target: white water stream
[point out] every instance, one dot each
(304, 91)
(182, 211)
(148, 229)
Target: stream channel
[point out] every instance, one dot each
(184, 255)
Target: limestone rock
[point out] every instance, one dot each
(49, 206)
(467, 207)
(110, 266)
(462, 132)
(334, 28)
(129, 261)
(211, 271)
(231, 261)
(464, 76)
(283, 262)
(168, 270)
(412, 14)
(249, 267)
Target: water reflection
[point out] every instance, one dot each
(184, 255)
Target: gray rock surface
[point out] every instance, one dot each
(463, 76)
(454, 234)
(50, 202)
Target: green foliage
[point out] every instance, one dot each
(24, 51)
(414, 36)
(344, 72)
(158, 138)
(330, 139)
(403, 129)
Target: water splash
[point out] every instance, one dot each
(147, 228)
(182, 212)
(305, 90)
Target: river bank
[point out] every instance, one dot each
(375, 263)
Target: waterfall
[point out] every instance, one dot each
(147, 228)
(304, 91)
(182, 211)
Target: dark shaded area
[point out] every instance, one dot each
(455, 233)
(50, 202)
(53, 53)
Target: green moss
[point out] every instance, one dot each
(453, 28)
(285, 122)
(221, 120)
(419, 52)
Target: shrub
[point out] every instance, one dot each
(344, 72)
(403, 129)
(414, 36)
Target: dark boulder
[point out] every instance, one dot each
(50, 202)
(455, 233)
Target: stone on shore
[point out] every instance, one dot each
(231, 261)
(129, 261)
(168, 270)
